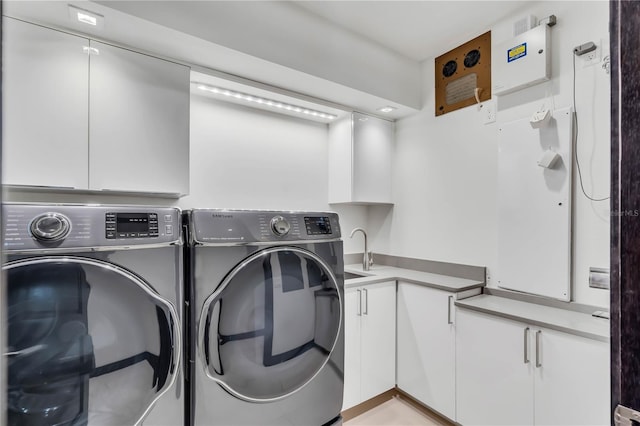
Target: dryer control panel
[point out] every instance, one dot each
(317, 225)
(250, 226)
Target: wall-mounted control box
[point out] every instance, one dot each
(523, 61)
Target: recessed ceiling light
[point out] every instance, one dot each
(86, 17)
(386, 109)
(264, 101)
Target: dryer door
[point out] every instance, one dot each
(88, 343)
(271, 325)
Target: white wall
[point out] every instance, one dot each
(446, 167)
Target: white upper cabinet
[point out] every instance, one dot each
(360, 159)
(45, 95)
(138, 122)
(86, 115)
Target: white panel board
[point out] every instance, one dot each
(522, 61)
(534, 207)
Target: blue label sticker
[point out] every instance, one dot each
(517, 52)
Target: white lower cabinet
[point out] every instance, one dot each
(370, 341)
(426, 346)
(572, 385)
(513, 373)
(493, 384)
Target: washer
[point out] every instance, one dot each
(94, 315)
(266, 296)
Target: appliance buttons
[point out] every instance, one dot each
(168, 218)
(168, 229)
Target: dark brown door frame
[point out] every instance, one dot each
(625, 203)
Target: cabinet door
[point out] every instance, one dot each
(45, 107)
(372, 159)
(426, 346)
(139, 122)
(494, 377)
(378, 364)
(340, 153)
(352, 353)
(572, 384)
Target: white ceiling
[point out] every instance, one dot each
(416, 29)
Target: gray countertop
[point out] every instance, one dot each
(578, 323)
(566, 320)
(379, 273)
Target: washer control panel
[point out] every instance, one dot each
(60, 226)
(131, 225)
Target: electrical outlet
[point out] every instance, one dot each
(592, 58)
(488, 112)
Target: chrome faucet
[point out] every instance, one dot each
(367, 258)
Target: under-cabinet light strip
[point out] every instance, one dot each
(267, 102)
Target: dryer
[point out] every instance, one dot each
(94, 313)
(266, 308)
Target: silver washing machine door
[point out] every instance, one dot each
(271, 324)
(88, 343)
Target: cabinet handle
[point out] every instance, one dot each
(366, 301)
(359, 310)
(449, 300)
(538, 361)
(526, 345)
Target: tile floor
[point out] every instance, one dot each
(395, 412)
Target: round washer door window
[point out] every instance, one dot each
(271, 325)
(88, 342)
